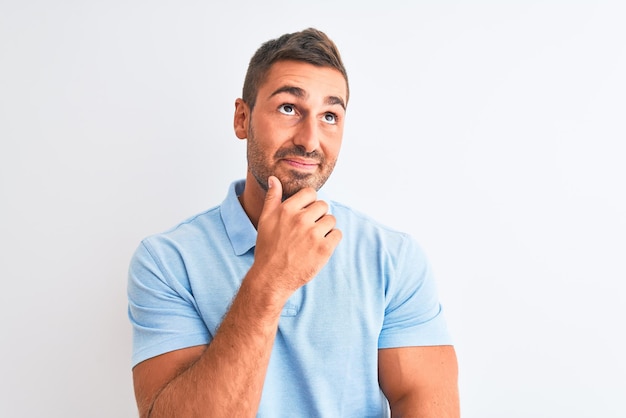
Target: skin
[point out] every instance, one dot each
(294, 135)
(294, 131)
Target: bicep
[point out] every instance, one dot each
(152, 375)
(420, 378)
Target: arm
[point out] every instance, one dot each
(420, 382)
(295, 240)
(214, 380)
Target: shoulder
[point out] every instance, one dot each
(189, 227)
(356, 222)
(183, 236)
(366, 235)
(208, 222)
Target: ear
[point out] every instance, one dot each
(241, 119)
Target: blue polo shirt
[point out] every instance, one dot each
(376, 291)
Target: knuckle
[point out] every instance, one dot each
(327, 247)
(300, 219)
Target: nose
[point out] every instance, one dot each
(307, 135)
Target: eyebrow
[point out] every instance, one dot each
(300, 93)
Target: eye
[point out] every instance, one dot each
(287, 109)
(330, 118)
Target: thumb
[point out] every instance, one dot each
(274, 195)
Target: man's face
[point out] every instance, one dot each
(295, 130)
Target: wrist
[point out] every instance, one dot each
(260, 292)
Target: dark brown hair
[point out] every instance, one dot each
(310, 45)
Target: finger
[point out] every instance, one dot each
(325, 225)
(301, 199)
(274, 194)
(331, 240)
(316, 210)
(334, 236)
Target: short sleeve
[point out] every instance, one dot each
(413, 313)
(161, 307)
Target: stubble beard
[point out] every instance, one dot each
(293, 182)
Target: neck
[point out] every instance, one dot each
(252, 199)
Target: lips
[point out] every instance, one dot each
(301, 163)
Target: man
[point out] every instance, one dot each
(280, 304)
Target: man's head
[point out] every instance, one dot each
(310, 45)
(292, 112)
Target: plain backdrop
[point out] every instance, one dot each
(494, 132)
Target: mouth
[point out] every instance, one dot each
(301, 164)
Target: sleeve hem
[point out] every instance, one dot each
(167, 346)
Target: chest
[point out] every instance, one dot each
(341, 304)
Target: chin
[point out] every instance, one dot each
(293, 186)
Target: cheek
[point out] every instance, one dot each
(332, 146)
(271, 136)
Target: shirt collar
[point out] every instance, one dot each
(240, 230)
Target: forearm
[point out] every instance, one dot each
(295, 240)
(227, 379)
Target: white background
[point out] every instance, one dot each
(491, 131)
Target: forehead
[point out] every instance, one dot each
(314, 80)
